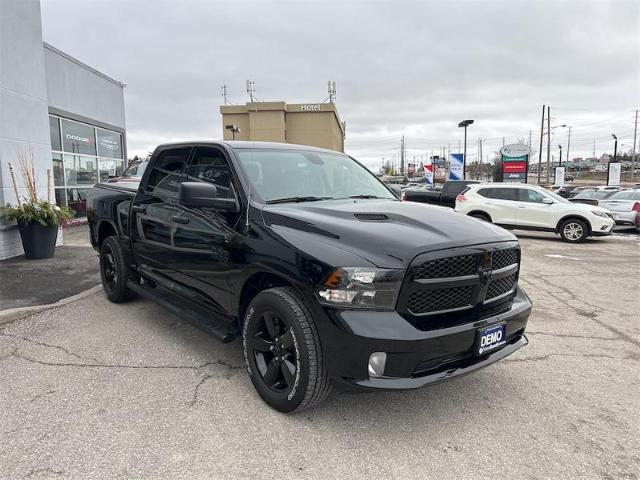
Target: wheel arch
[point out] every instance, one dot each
(576, 217)
(480, 212)
(256, 283)
(105, 229)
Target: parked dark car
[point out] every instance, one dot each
(565, 191)
(592, 197)
(445, 197)
(328, 278)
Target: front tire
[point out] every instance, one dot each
(574, 230)
(282, 351)
(114, 271)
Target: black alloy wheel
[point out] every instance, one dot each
(114, 271)
(282, 351)
(274, 353)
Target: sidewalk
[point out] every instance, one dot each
(72, 270)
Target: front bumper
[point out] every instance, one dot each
(414, 357)
(601, 226)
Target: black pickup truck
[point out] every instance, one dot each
(445, 197)
(328, 278)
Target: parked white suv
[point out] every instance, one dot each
(529, 207)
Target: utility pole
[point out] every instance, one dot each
(402, 155)
(540, 151)
(529, 139)
(548, 143)
(568, 143)
(480, 177)
(594, 148)
(633, 155)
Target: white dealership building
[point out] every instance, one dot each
(66, 115)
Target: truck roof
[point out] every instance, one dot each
(242, 144)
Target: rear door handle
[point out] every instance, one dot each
(139, 208)
(179, 219)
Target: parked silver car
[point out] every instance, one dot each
(625, 207)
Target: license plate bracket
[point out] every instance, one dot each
(490, 339)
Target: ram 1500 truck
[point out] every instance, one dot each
(328, 278)
(444, 198)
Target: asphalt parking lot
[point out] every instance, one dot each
(96, 390)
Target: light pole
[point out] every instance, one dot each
(615, 155)
(233, 129)
(560, 147)
(465, 124)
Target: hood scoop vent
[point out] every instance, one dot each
(371, 217)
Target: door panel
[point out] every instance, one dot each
(204, 238)
(152, 212)
(500, 203)
(533, 212)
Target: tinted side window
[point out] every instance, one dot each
(531, 196)
(504, 193)
(485, 192)
(167, 172)
(210, 165)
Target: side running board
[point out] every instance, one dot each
(223, 331)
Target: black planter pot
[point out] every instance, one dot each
(38, 242)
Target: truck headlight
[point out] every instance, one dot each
(362, 288)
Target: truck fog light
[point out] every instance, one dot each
(377, 362)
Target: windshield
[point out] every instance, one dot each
(629, 195)
(299, 175)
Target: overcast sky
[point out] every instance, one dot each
(413, 68)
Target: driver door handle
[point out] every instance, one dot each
(139, 208)
(179, 219)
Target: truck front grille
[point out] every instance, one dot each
(458, 280)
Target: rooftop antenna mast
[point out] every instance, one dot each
(332, 90)
(251, 89)
(224, 94)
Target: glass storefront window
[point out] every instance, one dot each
(109, 143)
(110, 167)
(58, 170)
(80, 170)
(54, 130)
(78, 138)
(77, 200)
(91, 155)
(61, 197)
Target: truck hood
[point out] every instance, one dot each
(387, 233)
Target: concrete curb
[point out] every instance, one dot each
(13, 314)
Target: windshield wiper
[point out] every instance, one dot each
(364, 196)
(298, 199)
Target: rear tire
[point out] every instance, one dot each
(574, 230)
(282, 351)
(481, 216)
(114, 271)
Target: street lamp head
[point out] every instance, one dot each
(465, 123)
(614, 136)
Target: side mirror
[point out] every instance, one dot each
(548, 201)
(204, 195)
(397, 191)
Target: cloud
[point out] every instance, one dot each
(416, 68)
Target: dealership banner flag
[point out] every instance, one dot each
(428, 172)
(456, 166)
